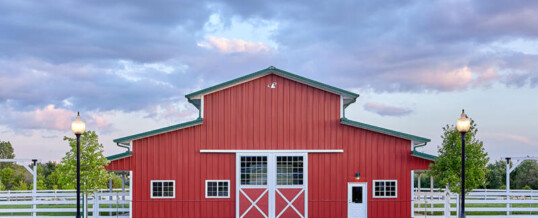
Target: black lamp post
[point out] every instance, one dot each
(463, 124)
(78, 128)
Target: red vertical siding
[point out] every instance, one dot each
(123, 164)
(253, 116)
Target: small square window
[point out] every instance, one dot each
(385, 189)
(217, 188)
(162, 189)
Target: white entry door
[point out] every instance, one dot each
(357, 200)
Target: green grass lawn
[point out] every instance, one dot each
(56, 206)
(497, 205)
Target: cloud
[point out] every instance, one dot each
(225, 45)
(49, 118)
(141, 56)
(386, 110)
(513, 137)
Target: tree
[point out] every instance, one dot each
(92, 164)
(525, 174)
(496, 176)
(6, 152)
(7, 178)
(21, 186)
(447, 168)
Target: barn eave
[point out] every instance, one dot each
(415, 139)
(423, 155)
(119, 156)
(159, 131)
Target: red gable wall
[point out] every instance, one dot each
(253, 116)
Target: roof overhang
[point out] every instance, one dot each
(415, 139)
(159, 131)
(119, 156)
(423, 155)
(348, 97)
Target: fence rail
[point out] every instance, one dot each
(478, 203)
(63, 203)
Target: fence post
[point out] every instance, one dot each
(96, 205)
(508, 203)
(458, 202)
(447, 203)
(34, 190)
(412, 193)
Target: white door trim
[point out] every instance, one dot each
(364, 194)
(271, 177)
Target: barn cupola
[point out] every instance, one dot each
(347, 98)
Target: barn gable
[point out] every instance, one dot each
(346, 98)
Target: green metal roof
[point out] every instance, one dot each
(423, 155)
(119, 156)
(159, 131)
(274, 70)
(415, 139)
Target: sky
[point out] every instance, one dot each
(126, 65)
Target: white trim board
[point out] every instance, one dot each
(271, 151)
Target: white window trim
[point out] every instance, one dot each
(208, 181)
(157, 197)
(385, 180)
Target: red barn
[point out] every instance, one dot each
(271, 144)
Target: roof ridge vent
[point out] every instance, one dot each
(271, 68)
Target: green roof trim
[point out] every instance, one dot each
(423, 155)
(415, 139)
(119, 156)
(159, 131)
(277, 71)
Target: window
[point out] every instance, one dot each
(254, 170)
(356, 194)
(217, 188)
(162, 188)
(385, 189)
(289, 170)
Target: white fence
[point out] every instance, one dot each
(478, 203)
(63, 203)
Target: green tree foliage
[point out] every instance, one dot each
(447, 168)
(92, 165)
(496, 176)
(45, 172)
(116, 180)
(52, 180)
(21, 186)
(7, 178)
(525, 174)
(6, 152)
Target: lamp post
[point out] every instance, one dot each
(463, 124)
(78, 128)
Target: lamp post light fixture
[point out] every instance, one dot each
(463, 125)
(78, 127)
